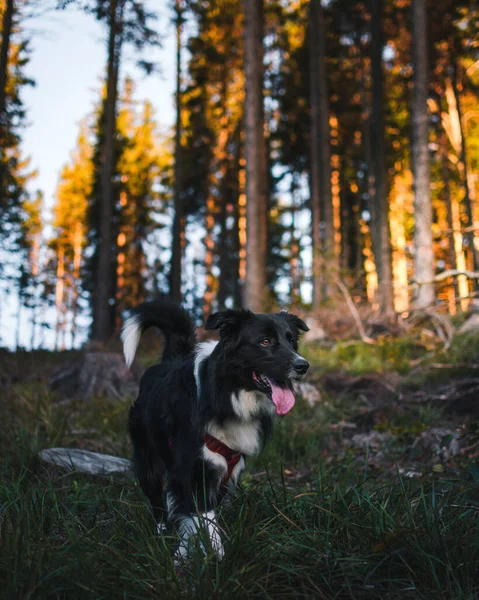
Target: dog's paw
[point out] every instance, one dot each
(161, 528)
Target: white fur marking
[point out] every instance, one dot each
(130, 336)
(249, 404)
(242, 436)
(205, 525)
(218, 461)
(236, 472)
(202, 351)
(160, 528)
(214, 533)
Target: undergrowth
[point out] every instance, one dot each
(307, 523)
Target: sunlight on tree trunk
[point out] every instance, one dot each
(423, 251)
(401, 205)
(60, 292)
(380, 199)
(209, 257)
(255, 150)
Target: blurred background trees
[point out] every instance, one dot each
(318, 146)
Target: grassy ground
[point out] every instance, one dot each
(316, 517)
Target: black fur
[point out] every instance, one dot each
(169, 419)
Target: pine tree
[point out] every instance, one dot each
(379, 201)
(70, 216)
(423, 257)
(127, 21)
(255, 153)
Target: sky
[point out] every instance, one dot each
(68, 61)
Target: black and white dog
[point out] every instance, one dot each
(207, 406)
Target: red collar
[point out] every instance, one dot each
(231, 456)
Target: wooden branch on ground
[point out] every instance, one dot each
(91, 463)
(354, 311)
(449, 273)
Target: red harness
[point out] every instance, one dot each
(231, 456)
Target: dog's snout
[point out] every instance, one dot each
(301, 365)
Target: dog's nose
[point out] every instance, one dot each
(300, 365)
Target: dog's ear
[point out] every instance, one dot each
(296, 324)
(227, 321)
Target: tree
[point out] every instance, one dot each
(321, 193)
(379, 202)
(29, 273)
(127, 21)
(178, 221)
(255, 152)
(423, 250)
(7, 23)
(69, 243)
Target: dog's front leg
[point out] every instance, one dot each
(209, 519)
(205, 529)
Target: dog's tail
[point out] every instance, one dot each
(174, 322)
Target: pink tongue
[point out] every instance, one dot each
(283, 398)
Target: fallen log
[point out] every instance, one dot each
(91, 463)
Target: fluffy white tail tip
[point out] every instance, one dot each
(130, 336)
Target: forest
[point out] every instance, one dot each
(323, 157)
(320, 149)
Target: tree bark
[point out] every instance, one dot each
(471, 235)
(178, 223)
(103, 323)
(423, 251)
(255, 150)
(382, 239)
(7, 22)
(321, 193)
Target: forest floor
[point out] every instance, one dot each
(369, 490)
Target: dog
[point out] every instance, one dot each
(206, 407)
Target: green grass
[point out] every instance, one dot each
(312, 520)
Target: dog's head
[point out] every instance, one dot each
(264, 352)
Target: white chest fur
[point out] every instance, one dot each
(240, 436)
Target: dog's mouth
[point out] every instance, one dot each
(280, 394)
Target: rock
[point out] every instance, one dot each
(374, 440)
(309, 392)
(316, 332)
(92, 463)
(438, 442)
(98, 374)
(471, 324)
(375, 390)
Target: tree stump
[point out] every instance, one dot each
(97, 375)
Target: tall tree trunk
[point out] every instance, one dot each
(471, 235)
(77, 255)
(423, 251)
(209, 258)
(59, 295)
(321, 193)
(382, 239)
(103, 323)
(367, 232)
(178, 222)
(255, 150)
(295, 291)
(7, 22)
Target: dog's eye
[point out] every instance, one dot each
(265, 342)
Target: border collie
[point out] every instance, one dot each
(206, 407)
